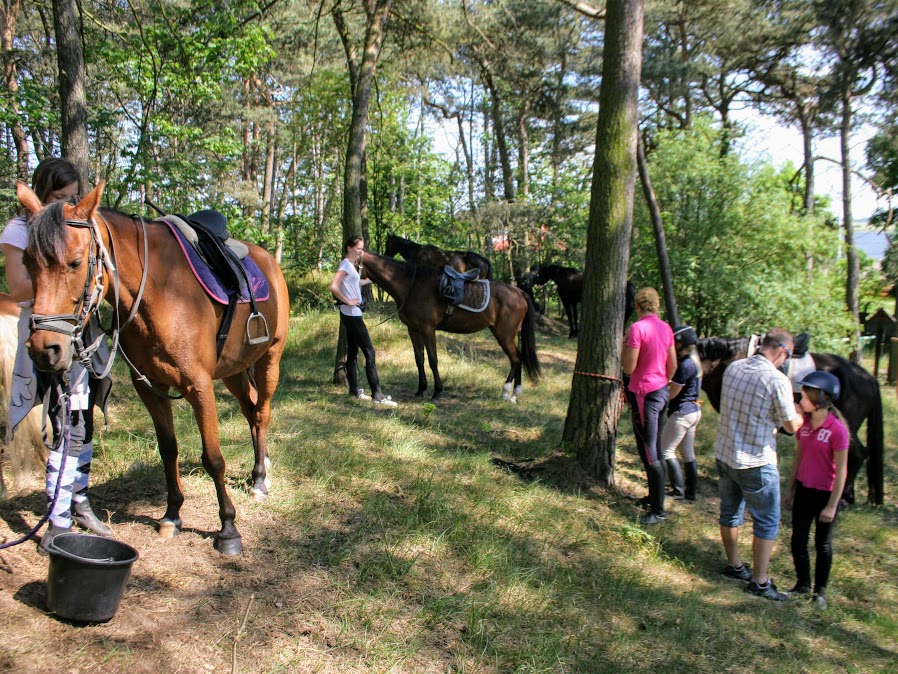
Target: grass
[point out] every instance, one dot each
(396, 534)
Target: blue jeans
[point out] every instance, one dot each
(759, 488)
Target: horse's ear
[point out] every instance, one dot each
(89, 204)
(28, 198)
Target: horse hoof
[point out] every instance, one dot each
(169, 528)
(419, 394)
(229, 546)
(259, 495)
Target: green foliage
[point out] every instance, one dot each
(739, 252)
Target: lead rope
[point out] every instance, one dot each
(65, 409)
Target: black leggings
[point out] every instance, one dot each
(357, 338)
(807, 504)
(648, 429)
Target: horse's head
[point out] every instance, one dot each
(62, 261)
(392, 246)
(541, 275)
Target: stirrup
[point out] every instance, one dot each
(262, 338)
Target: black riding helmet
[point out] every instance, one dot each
(685, 335)
(823, 381)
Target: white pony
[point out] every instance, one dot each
(25, 454)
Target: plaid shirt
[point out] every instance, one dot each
(756, 400)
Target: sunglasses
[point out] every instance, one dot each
(787, 350)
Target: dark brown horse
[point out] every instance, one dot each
(415, 288)
(78, 253)
(859, 401)
(569, 283)
(461, 260)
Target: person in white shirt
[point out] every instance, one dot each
(346, 286)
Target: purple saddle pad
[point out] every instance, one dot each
(212, 282)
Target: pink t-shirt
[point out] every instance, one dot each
(653, 337)
(817, 469)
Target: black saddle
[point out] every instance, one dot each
(210, 221)
(211, 228)
(452, 284)
(801, 344)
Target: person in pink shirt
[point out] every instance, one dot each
(816, 482)
(650, 360)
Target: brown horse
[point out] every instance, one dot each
(415, 288)
(78, 253)
(461, 260)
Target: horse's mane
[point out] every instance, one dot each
(417, 271)
(47, 235)
(719, 348)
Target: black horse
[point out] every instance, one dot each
(431, 256)
(859, 401)
(569, 283)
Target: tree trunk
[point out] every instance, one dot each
(595, 405)
(500, 135)
(71, 85)
(524, 151)
(361, 78)
(853, 275)
(9, 11)
(268, 182)
(670, 300)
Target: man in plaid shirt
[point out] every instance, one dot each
(756, 400)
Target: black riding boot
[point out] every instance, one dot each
(675, 477)
(691, 470)
(656, 479)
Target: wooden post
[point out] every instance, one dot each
(893, 362)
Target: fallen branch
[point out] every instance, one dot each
(240, 634)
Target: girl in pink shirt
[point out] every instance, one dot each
(650, 361)
(816, 482)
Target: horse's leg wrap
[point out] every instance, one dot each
(509, 393)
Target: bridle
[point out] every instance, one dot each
(73, 324)
(101, 264)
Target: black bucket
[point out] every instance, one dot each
(87, 576)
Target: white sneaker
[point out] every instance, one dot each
(386, 402)
(361, 395)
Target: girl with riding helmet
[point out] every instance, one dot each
(816, 481)
(683, 414)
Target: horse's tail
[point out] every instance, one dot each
(875, 448)
(528, 342)
(26, 452)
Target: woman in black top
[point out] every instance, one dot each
(684, 413)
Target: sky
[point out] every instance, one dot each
(767, 138)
